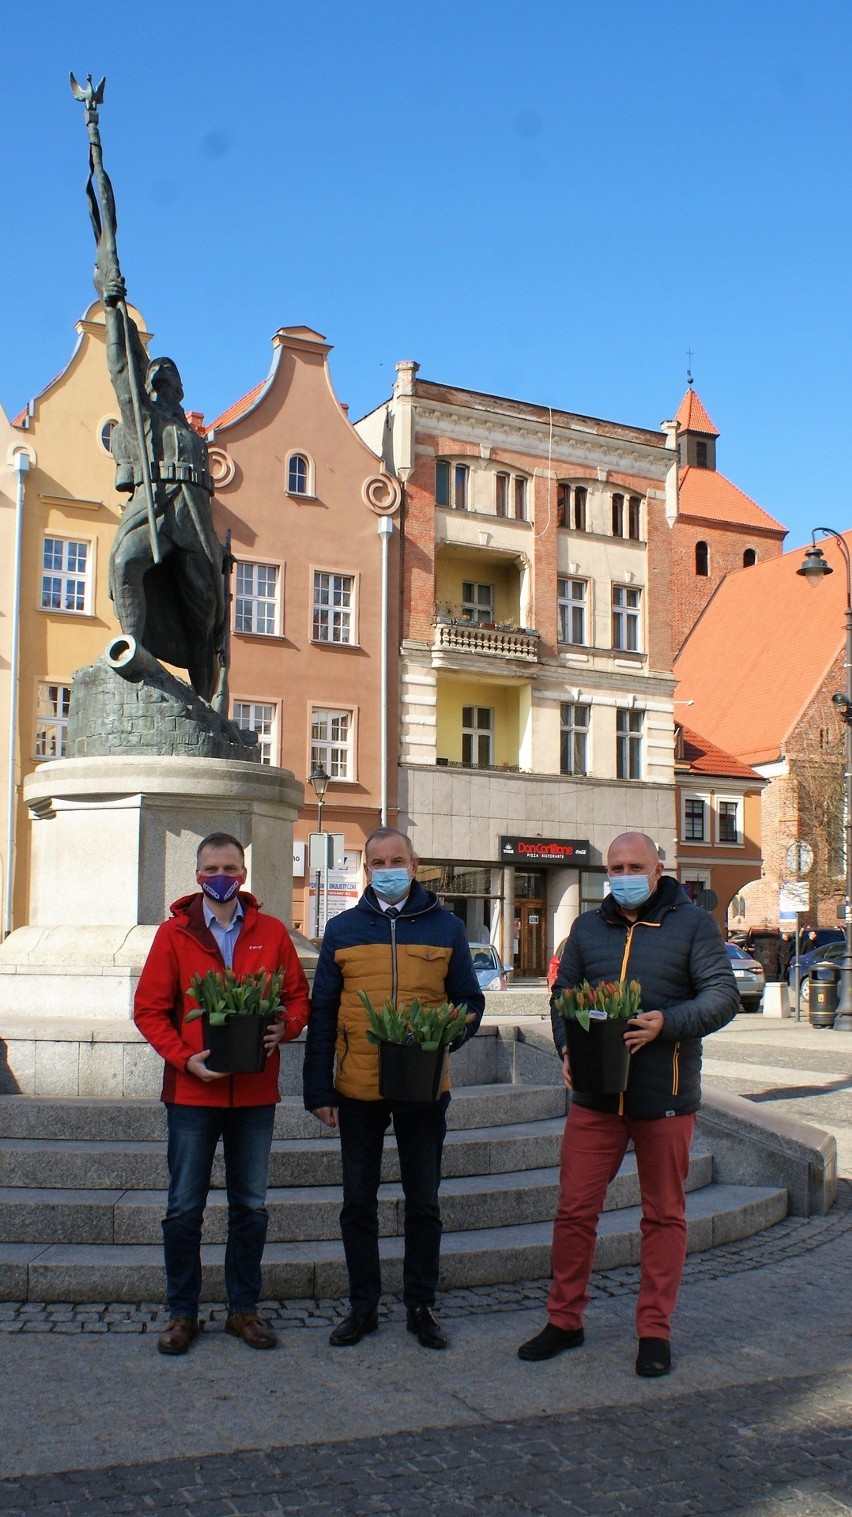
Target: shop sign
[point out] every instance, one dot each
(544, 850)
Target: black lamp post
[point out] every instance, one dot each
(814, 569)
(319, 780)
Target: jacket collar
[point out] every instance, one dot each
(418, 900)
(188, 911)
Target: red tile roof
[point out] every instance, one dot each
(238, 409)
(708, 494)
(692, 417)
(705, 758)
(760, 651)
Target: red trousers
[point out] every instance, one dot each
(593, 1147)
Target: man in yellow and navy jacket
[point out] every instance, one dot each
(647, 929)
(397, 943)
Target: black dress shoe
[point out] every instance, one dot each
(654, 1358)
(429, 1333)
(552, 1340)
(361, 1320)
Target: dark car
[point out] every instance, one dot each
(826, 937)
(749, 975)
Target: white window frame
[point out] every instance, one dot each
(575, 730)
(309, 491)
(629, 741)
(53, 722)
(246, 714)
(568, 605)
(704, 798)
(458, 484)
(737, 802)
(626, 618)
(337, 615)
(110, 422)
(67, 576)
(479, 735)
(336, 754)
(258, 601)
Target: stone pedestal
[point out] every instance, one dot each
(114, 843)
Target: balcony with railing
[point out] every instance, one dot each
(461, 635)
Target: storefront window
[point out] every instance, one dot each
(466, 891)
(593, 888)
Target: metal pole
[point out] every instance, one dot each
(843, 1016)
(21, 464)
(385, 528)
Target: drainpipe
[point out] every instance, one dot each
(385, 530)
(20, 463)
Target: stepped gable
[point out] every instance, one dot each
(760, 651)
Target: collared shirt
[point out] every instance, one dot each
(393, 905)
(226, 937)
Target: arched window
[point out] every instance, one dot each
(105, 434)
(702, 560)
(749, 557)
(297, 474)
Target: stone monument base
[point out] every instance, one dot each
(114, 843)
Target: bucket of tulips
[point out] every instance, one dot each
(413, 1042)
(237, 1009)
(595, 1018)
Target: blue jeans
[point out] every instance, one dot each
(194, 1131)
(420, 1130)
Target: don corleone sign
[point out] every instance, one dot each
(545, 850)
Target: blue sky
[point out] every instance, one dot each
(552, 200)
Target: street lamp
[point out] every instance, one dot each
(814, 568)
(319, 780)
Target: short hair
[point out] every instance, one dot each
(219, 840)
(379, 834)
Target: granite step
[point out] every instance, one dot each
(303, 1213)
(68, 1272)
(80, 1164)
(141, 1121)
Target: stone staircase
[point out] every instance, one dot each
(82, 1190)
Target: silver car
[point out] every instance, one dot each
(749, 975)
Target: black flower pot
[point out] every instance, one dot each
(236, 1048)
(408, 1072)
(600, 1058)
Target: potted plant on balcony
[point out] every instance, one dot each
(595, 1020)
(413, 1042)
(237, 1010)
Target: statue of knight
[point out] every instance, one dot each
(168, 573)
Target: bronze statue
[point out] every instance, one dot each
(167, 566)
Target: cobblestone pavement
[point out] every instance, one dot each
(719, 1459)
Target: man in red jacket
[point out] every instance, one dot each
(218, 928)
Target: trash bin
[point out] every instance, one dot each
(822, 998)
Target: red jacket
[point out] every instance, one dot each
(185, 946)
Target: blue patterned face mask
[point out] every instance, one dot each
(630, 890)
(390, 884)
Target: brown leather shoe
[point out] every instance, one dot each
(248, 1326)
(176, 1338)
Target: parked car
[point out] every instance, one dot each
(827, 937)
(489, 971)
(749, 975)
(554, 963)
(827, 955)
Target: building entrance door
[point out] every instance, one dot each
(530, 918)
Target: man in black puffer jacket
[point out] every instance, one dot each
(647, 930)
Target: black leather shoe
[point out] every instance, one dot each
(552, 1340)
(654, 1357)
(361, 1320)
(429, 1333)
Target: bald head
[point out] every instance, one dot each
(633, 849)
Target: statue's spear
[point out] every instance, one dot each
(105, 228)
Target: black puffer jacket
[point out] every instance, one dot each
(675, 951)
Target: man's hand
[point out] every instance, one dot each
(197, 1066)
(114, 290)
(566, 1071)
(273, 1036)
(327, 1115)
(642, 1029)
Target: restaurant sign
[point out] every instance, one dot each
(544, 851)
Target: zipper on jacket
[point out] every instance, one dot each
(676, 1069)
(394, 973)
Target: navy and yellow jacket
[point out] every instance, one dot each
(423, 952)
(675, 951)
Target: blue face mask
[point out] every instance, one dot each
(390, 884)
(630, 890)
